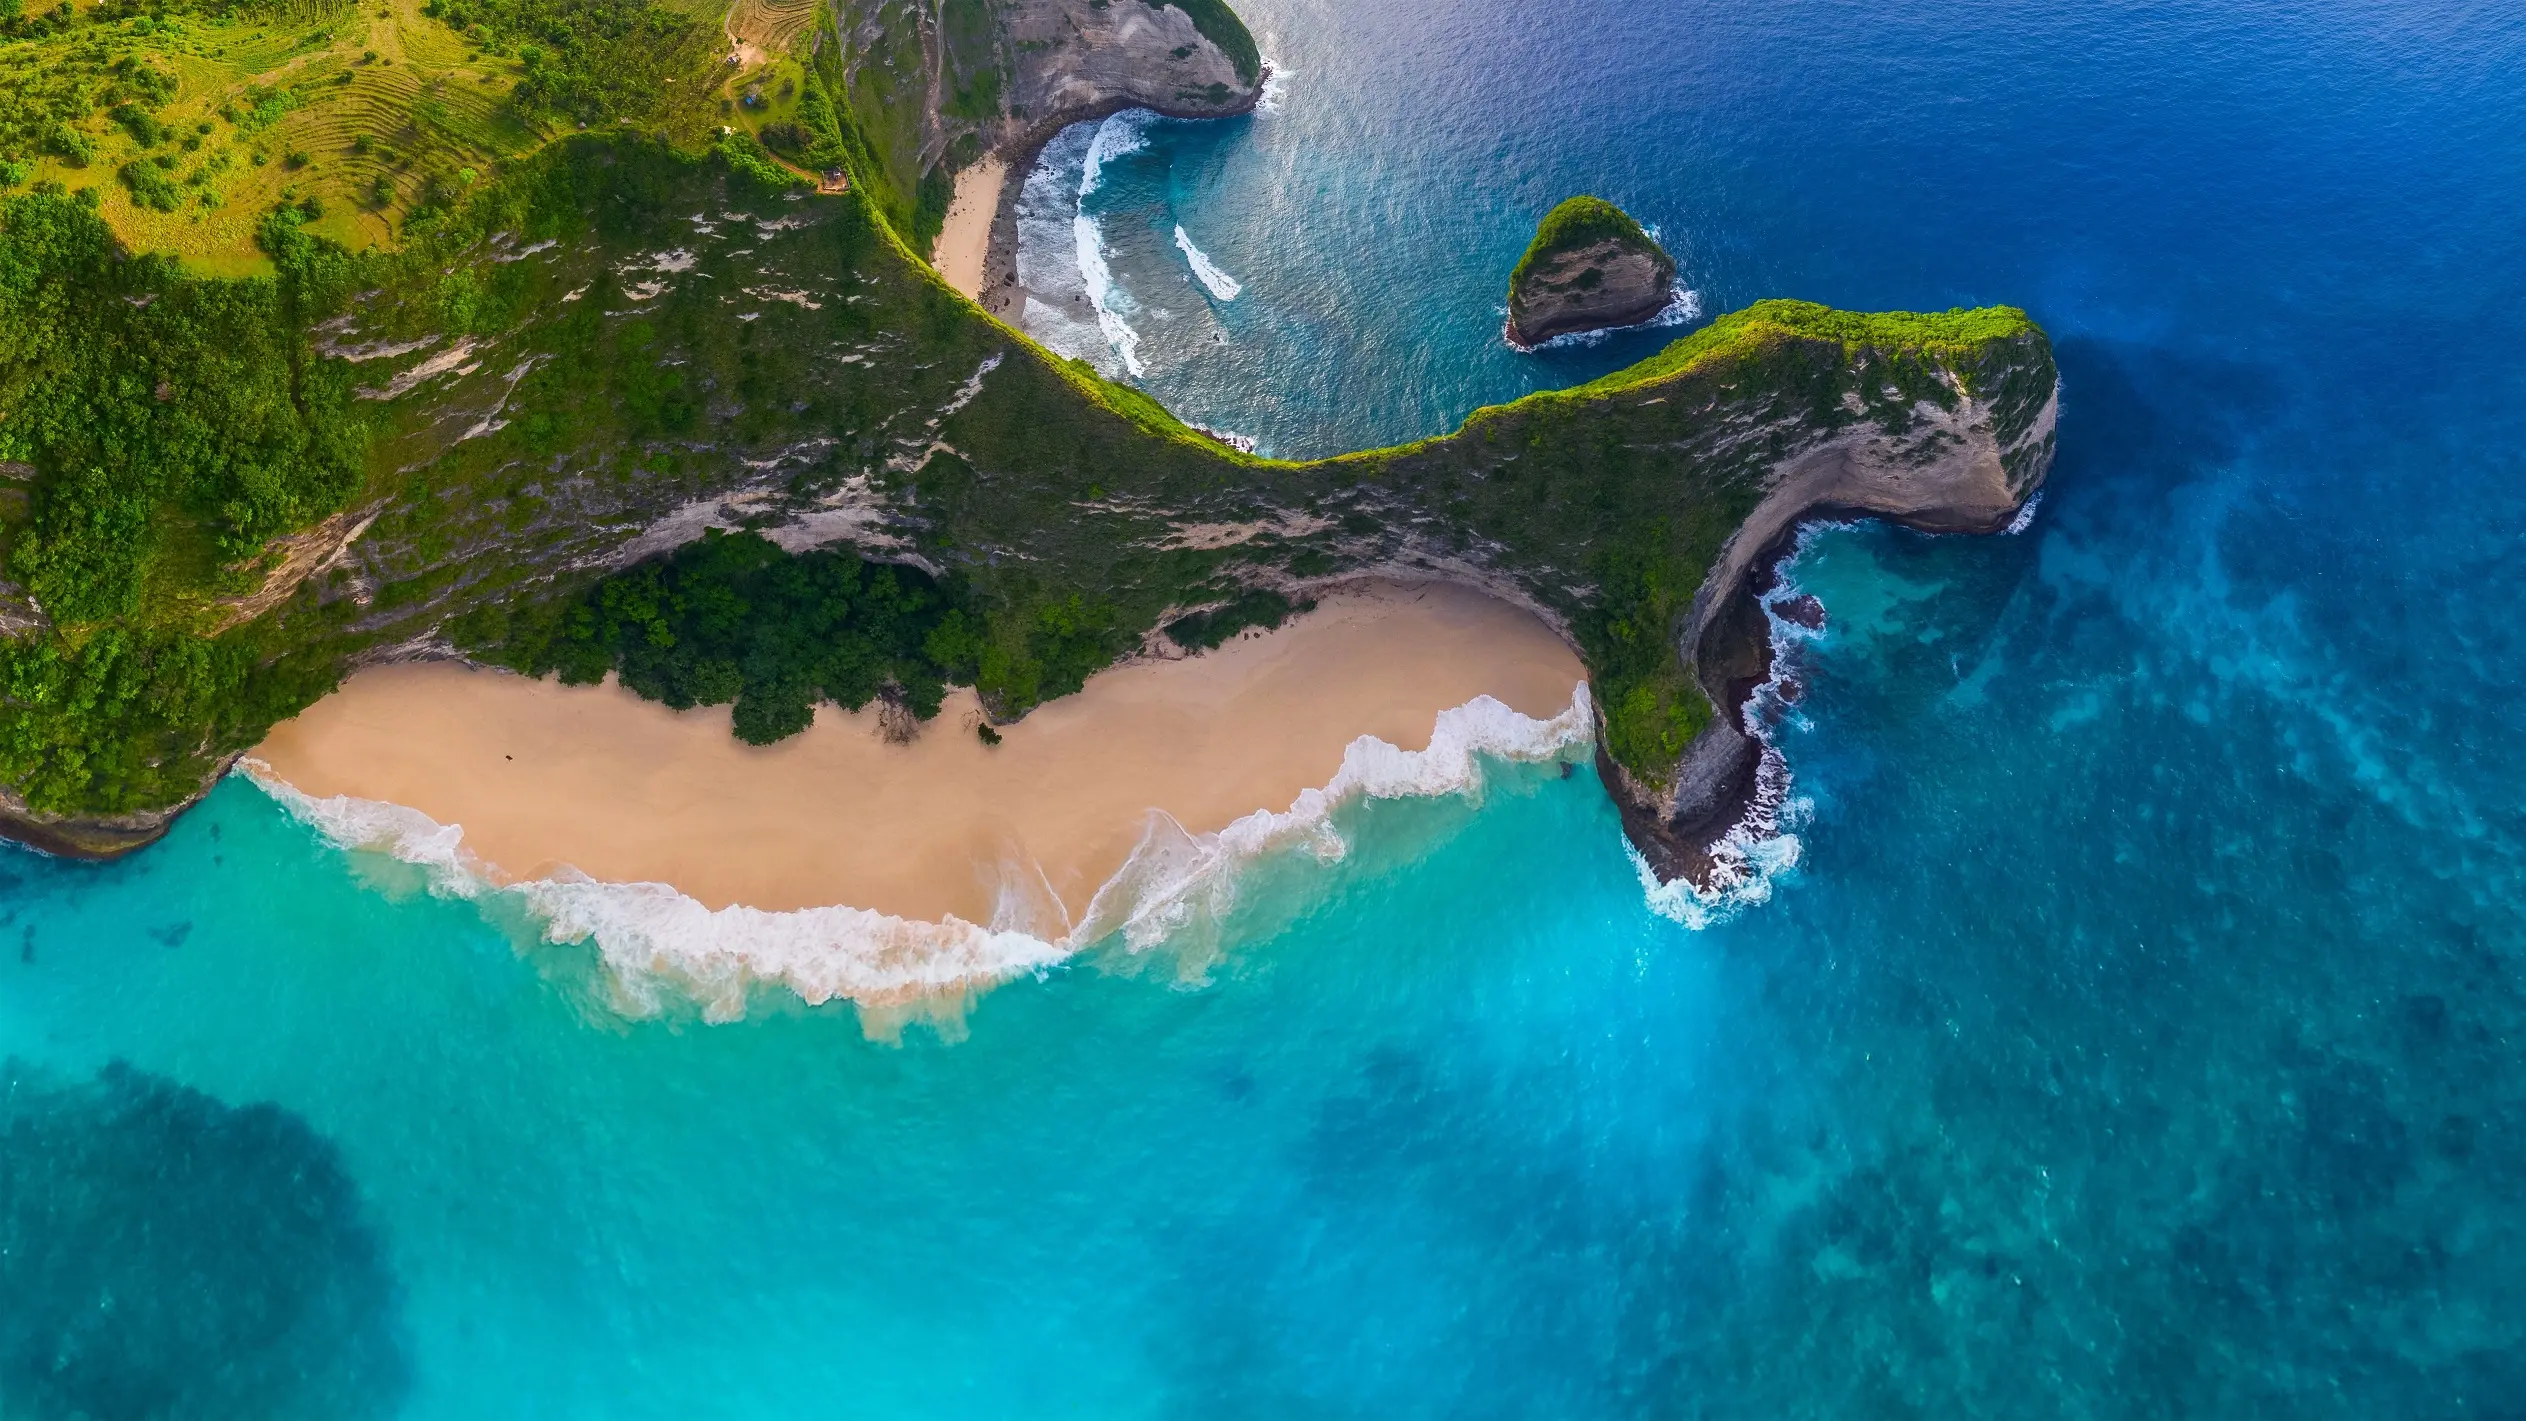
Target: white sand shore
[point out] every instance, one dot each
(541, 775)
(965, 242)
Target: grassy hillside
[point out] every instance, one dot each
(191, 121)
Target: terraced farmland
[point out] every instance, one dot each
(771, 27)
(356, 113)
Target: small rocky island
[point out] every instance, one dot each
(1590, 268)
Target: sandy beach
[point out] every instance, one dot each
(965, 242)
(542, 775)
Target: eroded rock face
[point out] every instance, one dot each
(1960, 470)
(83, 836)
(1609, 282)
(1075, 57)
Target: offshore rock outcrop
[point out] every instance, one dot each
(1590, 268)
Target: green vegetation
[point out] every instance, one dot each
(193, 119)
(1577, 222)
(496, 358)
(595, 61)
(734, 618)
(970, 35)
(180, 427)
(1219, 24)
(1261, 607)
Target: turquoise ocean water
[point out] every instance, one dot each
(2137, 1031)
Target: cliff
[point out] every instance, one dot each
(1590, 267)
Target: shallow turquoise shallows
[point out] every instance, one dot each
(2138, 1031)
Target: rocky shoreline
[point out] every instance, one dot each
(94, 837)
(1715, 785)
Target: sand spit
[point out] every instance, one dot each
(544, 777)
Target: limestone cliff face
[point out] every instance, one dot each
(1073, 58)
(1606, 283)
(1959, 470)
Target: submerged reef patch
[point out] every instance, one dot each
(163, 1254)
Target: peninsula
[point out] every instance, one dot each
(1589, 268)
(476, 386)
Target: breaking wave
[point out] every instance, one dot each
(1275, 86)
(1120, 134)
(1176, 889)
(1056, 306)
(2025, 518)
(1109, 300)
(1215, 281)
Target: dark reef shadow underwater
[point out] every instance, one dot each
(166, 1255)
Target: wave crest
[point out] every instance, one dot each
(1109, 300)
(1218, 283)
(1120, 135)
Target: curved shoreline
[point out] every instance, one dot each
(546, 779)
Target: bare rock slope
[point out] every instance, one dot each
(1590, 268)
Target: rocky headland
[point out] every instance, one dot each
(1967, 468)
(1590, 268)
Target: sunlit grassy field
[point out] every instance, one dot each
(190, 125)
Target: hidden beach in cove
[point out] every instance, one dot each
(1035, 708)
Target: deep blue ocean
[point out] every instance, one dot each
(2138, 1032)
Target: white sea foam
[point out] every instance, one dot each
(1763, 845)
(2025, 518)
(1056, 309)
(1120, 134)
(1073, 303)
(1683, 307)
(1275, 86)
(1217, 282)
(1242, 443)
(1176, 886)
(1109, 300)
